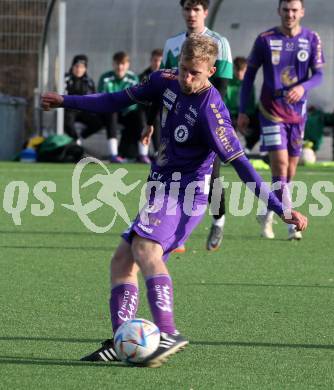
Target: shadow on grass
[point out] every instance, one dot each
(261, 345)
(57, 362)
(259, 285)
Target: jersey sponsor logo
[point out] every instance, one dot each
(304, 46)
(170, 95)
(181, 134)
(190, 120)
(290, 46)
(271, 129)
(276, 48)
(288, 76)
(304, 40)
(303, 55)
(193, 111)
(154, 221)
(221, 133)
(169, 106)
(145, 228)
(319, 59)
(272, 139)
(164, 114)
(276, 44)
(275, 57)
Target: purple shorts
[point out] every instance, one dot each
(281, 136)
(169, 221)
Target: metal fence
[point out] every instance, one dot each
(21, 25)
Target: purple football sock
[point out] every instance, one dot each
(281, 190)
(123, 304)
(160, 298)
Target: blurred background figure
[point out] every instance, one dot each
(131, 118)
(232, 99)
(316, 122)
(80, 124)
(155, 62)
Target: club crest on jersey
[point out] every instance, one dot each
(275, 57)
(181, 134)
(303, 55)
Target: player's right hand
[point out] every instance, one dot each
(51, 100)
(242, 123)
(147, 135)
(295, 218)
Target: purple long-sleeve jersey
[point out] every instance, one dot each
(287, 61)
(194, 128)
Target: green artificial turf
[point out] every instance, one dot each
(259, 314)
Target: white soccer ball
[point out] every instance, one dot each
(308, 156)
(136, 339)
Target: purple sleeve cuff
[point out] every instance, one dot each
(254, 181)
(246, 88)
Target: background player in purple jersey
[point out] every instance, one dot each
(287, 54)
(195, 127)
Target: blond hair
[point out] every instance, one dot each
(200, 48)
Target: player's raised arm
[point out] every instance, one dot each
(105, 102)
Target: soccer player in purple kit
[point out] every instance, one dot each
(194, 13)
(185, 164)
(292, 61)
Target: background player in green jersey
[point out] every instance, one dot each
(116, 80)
(194, 13)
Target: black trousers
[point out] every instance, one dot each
(254, 131)
(133, 123)
(92, 122)
(221, 200)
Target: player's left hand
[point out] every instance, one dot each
(295, 94)
(51, 100)
(295, 218)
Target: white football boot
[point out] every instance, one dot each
(294, 234)
(266, 221)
